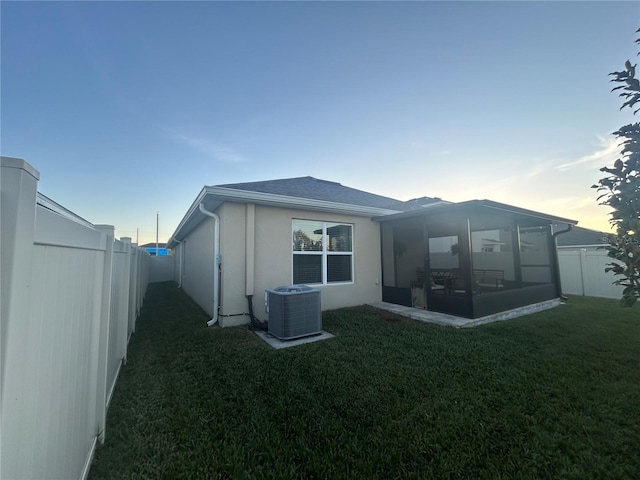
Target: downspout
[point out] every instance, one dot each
(567, 230)
(180, 262)
(216, 257)
(555, 244)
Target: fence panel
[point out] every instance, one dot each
(64, 329)
(161, 269)
(582, 272)
(570, 272)
(60, 375)
(118, 331)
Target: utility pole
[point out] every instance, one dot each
(157, 225)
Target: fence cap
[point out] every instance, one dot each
(11, 162)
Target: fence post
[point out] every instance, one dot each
(19, 188)
(583, 271)
(18, 191)
(126, 299)
(103, 334)
(138, 282)
(133, 285)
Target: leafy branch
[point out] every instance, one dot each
(621, 191)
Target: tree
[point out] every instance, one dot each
(621, 192)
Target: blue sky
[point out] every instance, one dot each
(130, 108)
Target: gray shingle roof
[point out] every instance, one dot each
(581, 236)
(316, 189)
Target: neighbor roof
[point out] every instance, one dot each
(582, 236)
(153, 245)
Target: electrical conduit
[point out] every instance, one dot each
(216, 259)
(181, 256)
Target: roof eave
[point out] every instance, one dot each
(214, 196)
(186, 220)
(286, 201)
(490, 204)
(523, 211)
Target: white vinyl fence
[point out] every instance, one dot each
(71, 294)
(161, 269)
(582, 272)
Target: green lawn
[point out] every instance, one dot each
(551, 395)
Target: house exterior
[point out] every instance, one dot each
(238, 240)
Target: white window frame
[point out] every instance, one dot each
(325, 252)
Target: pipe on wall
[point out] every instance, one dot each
(180, 260)
(216, 260)
(250, 247)
(560, 232)
(556, 260)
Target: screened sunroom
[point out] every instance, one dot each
(470, 259)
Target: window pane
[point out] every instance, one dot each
(307, 236)
(338, 268)
(339, 237)
(307, 269)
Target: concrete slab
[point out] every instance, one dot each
(277, 343)
(461, 322)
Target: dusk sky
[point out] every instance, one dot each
(130, 108)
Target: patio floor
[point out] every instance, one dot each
(461, 322)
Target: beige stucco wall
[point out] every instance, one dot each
(197, 268)
(272, 260)
(233, 301)
(176, 255)
(273, 264)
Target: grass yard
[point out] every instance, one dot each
(552, 395)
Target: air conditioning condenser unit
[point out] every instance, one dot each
(293, 311)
